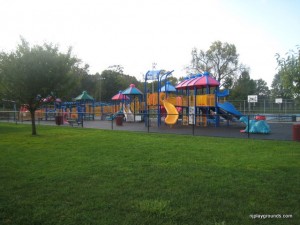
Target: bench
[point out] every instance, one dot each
(73, 122)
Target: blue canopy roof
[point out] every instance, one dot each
(132, 90)
(168, 87)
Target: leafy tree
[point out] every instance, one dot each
(278, 90)
(228, 82)
(112, 82)
(243, 87)
(221, 60)
(30, 74)
(181, 79)
(289, 71)
(82, 82)
(96, 93)
(200, 62)
(102, 86)
(173, 80)
(262, 89)
(86, 82)
(117, 68)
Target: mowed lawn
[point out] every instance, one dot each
(81, 176)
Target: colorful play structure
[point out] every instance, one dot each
(197, 100)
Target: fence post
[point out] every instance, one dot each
(148, 122)
(248, 127)
(193, 124)
(16, 118)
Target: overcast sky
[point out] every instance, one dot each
(137, 33)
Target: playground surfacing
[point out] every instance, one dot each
(279, 131)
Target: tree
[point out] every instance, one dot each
(30, 74)
(173, 80)
(112, 82)
(262, 89)
(82, 82)
(117, 68)
(278, 90)
(221, 60)
(289, 71)
(200, 62)
(243, 87)
(97, 92)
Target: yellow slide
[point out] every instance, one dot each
(172, 113)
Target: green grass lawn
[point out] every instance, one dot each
(87, 176)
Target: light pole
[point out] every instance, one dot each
(100, 88)
(153, 68)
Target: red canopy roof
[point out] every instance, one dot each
(198, 82)
(204, 81)
(182, 84)
(120, 96)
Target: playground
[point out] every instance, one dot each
(195, 106)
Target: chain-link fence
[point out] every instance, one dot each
(287, 106)
(222, 125)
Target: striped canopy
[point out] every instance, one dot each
(120, 96)
(132, 90)
(199, 82)
(204, 81)
(183, 83)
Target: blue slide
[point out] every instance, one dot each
(227, 107)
